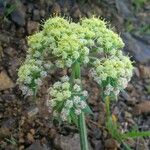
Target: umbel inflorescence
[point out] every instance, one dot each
(61, 44)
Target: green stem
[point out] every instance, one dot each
(76, 74)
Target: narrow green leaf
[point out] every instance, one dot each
(87, 110)
(135, 134)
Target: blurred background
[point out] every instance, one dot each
(25, 124)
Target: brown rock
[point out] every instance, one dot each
(4, 132)
(111, 144)
(1, 52)
(32, 26)
(21, 147)
(144, 71)
(142, 145)
(36, 15)
(76, 13)
(33, 111)
(30, 137)
(67, 142)
(32, 131)
(5, 81)
(141, 108)
(56, 9)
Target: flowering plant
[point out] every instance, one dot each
(63, 44)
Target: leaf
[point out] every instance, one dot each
(73, 117)
(59, 106)
(127, 147)
(87, 110)
(135, 134)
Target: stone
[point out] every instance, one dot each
(68, 142)
(75, 11)
(97, 144)
(137, 48)
(10, 51)
(142, 108)
(125, 95)
(56, 8)
(5, 81)
(128, 115)
(36, 15)
(142, 145)
(30, 138)
(1, 53)
(4, 132)
(42, 13)
(111, 144)
(4, 38)
(9, 123)
(38, 146)
(14, 64)
(18, 15)
(144, 71)
(33, 111)
(96, 133)
(123, 9)
(32, 26)
(136, 71)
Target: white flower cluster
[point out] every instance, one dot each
(105, 40)
(66, 99)
(63, 41)
(112, 73)
(30, 76)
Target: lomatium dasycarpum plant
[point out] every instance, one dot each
(63, 44)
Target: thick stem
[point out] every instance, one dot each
(76, 74)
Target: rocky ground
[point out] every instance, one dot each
(26, 124)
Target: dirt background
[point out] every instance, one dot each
(26, 124)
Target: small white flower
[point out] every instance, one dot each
(57, 85)
(69, 62)
(59, 96)
(28, 80)
(55, 114)
(86, 60)
(43, 74)
(64, 78)
(69, 103)
(52, 102)
(24, 89)
(85, 93)
(92, 72)
(76, 99)
(52, 92)
(77, 88)
(116, 92)
(86, 50)
(77, 111)
(107, 92)
(39, 62)
(47, 66)
(83, 104)
(30, 93)
(36, 68)
(38, 81)
(109, 88)
(64, 116)
(37, 54)
(77, 81)
(59, 63)
(64, 55)
(66, 85)
(75, 55)
(66, 94)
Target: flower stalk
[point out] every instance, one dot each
(76, 74)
